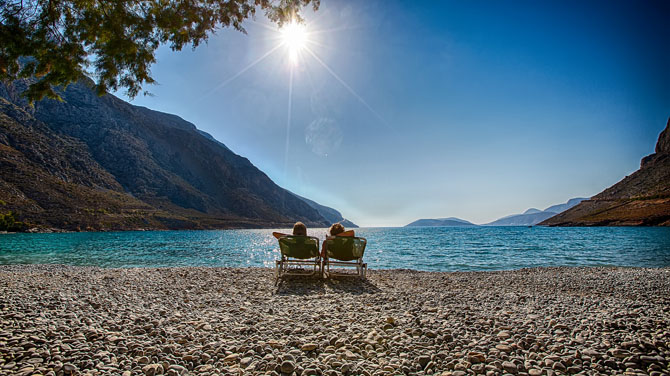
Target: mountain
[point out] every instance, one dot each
(99, 163)
(534, 216)
(330, 214)
(641, 199)
(440, 222)
(563, 207)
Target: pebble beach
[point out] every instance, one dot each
(61, 320)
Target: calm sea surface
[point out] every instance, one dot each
(422, 248)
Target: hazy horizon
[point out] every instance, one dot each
(400, 111)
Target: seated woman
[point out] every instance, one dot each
(299, 229)
(336, 229)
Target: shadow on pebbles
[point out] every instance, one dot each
(58, 320)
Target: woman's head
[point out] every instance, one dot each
(299, 229)
(335, 229)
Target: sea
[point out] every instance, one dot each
(419, 248)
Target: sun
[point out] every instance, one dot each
(294, 37)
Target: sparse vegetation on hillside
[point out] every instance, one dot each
(9, 222)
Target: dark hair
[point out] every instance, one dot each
(335, 229)
(299, 229)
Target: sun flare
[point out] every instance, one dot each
(294, 37)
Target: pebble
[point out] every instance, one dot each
(59, 320)
(287, 367)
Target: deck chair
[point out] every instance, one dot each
(345, 252)
(298, 254)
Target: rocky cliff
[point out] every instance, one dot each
(99, 163)
(641, 199)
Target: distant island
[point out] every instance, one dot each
(441, 222)
(641, 199)
(98, 163)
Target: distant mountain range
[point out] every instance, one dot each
(641, 199)
(99, 163)
(440, 222)
(330, 214)
(534, 216)
(530, 217)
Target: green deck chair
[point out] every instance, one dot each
(345, 251)
(298, 253)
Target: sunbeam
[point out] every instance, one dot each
(341, 28)
(347, 87)
(288, 129)
(288, 121)
(251, 65)
(266, 26)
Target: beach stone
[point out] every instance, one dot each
(503, 347)
(558, 366)
(232, 358)
(180, 370)
(423, 360)
(503, 334)
(619, 353)
(574, 369)
(245, 362)
(152, 369)
(476, 357)
(69, 367)
(592, 353)
(309, 347)
(510, 367)
(287, 367)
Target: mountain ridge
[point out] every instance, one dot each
(533, 216)
(330, 214)
(129, 167)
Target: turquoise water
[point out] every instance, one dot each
(421, 248)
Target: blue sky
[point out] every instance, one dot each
(416, 109)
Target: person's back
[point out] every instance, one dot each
(334, 230)
(299, 229)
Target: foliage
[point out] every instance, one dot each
(57, 41)
(9, 222)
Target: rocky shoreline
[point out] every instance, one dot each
(59, 320)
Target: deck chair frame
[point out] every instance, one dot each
(288, 264)
(352, 261)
